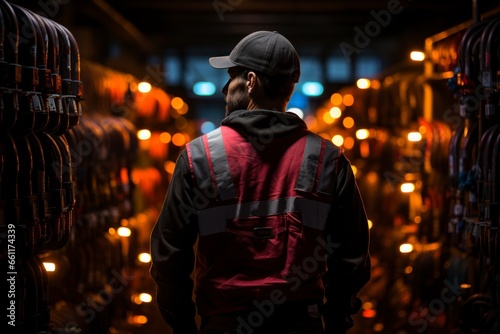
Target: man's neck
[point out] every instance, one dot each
(267, 105)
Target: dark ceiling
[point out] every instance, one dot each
(213, 27)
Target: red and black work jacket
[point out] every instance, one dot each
(267, 202)
(261, 216)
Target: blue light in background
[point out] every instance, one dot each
(312, 88)
(173, 66)
(207, 126)
(204, 88)
(298, 100)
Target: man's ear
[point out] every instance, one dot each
(251, 81)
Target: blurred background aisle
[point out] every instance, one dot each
(98, 97)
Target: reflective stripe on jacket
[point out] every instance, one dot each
(261, 216)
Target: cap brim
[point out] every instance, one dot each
(221, 62)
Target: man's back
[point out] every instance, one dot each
(264, 237)
(276, 211)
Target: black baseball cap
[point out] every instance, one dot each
(267, 52)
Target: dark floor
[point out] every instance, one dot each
(381, 312)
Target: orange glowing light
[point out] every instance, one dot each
(177, 103)
(348, 100)
(178, 139)
(348, 122)
(169, 167)
(165, 137)
(369, 313)
(336, 99)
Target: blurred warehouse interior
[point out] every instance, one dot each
(98, 97)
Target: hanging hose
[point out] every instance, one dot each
(469, 51)
(11, 69)
(30, 103)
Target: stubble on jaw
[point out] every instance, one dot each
(237, 98)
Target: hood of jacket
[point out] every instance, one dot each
(265, 125)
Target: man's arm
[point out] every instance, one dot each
(348, 267)
(172, 241)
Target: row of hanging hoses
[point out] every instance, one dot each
(474, 168)
(40, 94)
(65, 181)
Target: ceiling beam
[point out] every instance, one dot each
(282, 7)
